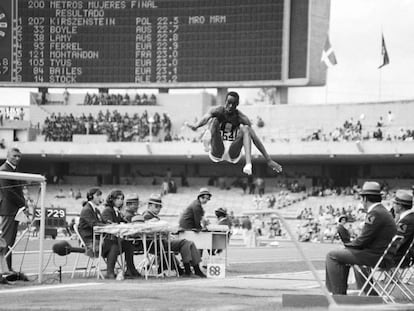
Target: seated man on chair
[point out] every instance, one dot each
(366, 249)
(90, 216)
(189, 252)
(112, 214)
(403, 203)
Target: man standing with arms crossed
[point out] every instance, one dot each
(11, 200)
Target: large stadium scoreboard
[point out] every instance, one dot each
(155, 43)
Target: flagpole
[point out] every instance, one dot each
(380, 84)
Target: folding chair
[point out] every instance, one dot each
(92, 263)
(399, 274)
(381, 270)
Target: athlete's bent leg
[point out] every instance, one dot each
(217, 146)
(243, 140)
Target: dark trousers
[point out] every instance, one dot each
(337, 267)
(187, 249)
(128, 248)
(110, 251)
(8, 227)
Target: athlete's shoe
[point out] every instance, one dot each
(247, 169)
(206, 139)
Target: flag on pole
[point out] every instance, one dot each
(328, 55)
(384, 54)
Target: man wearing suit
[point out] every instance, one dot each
(90, 216)
(190, 255)
(112, 214)
(403, 203)
(11, 200)
(192, 216)
(378, 230)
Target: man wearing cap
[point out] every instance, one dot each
(130, 208)
(191, 217)
(403, 203)
(190, 255)
(378, 230)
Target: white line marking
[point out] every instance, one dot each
(48, 287)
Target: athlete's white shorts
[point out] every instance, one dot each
(225, 156)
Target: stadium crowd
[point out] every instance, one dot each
(117, 127)
(119, 99)
(352, 130)
(9, 113)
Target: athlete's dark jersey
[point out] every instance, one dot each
(229, 123)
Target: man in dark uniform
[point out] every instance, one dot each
(403, 203)
(190, 255)
(192, 216)
(378, 230)
(230, 131)
(11, 200)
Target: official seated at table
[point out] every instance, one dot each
(130, 207)
(112, 215)
(192, 216)
(90, 216)
(189, 253)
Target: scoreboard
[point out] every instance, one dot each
(154, 43)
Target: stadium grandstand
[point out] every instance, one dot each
(99, 148)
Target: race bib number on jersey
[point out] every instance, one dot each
(228, 133)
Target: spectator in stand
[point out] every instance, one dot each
(260, 185)
(343, 232)
(66, 96)
(380, 122)
(259, 122)
(390, 117)
(249, 235)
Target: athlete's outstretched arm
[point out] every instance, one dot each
(203, 121)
